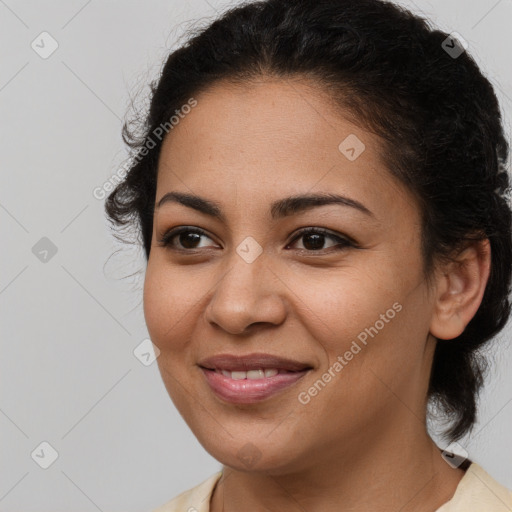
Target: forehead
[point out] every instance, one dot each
(269, 139)
(279, 116)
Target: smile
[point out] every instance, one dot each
(251, 378)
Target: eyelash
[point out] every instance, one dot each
(343, 242)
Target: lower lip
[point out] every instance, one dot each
(249, 391)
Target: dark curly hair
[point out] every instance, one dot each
(394, 75)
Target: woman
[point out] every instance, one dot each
(321, 192)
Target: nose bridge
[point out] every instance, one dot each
(246, 293)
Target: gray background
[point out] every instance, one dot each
(70, 324)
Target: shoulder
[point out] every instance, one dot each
(196, 499)
(479, 492)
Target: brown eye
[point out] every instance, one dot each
(314, 240)
(188, 238)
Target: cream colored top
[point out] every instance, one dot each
(477, 492)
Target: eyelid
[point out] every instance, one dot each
(165, 239)
(343, 241)
(325, 232)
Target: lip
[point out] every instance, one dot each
(250, 391)
(232, 362)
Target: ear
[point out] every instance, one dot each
(460, 288)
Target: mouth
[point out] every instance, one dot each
(251, 378)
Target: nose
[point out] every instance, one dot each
(246, 295)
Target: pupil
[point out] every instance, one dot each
(188, 240)
(184, 236)
(317, 243)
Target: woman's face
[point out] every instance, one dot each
(348, 305)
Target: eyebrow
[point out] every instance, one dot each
(279, 209)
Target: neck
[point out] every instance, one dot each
(405, 473)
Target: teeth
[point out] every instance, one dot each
(255, 374)
(260, 373)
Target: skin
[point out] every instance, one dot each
(361, 442)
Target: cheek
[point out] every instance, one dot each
(169, 313)
(168, 302)
(340, 305)
(373, 344)
(154, 303)
(371, 326)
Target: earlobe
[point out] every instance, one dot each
(460, 289)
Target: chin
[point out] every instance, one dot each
(271, 455)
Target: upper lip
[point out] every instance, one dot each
(231, 362)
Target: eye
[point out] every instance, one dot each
(314, 239)
(188, 238)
